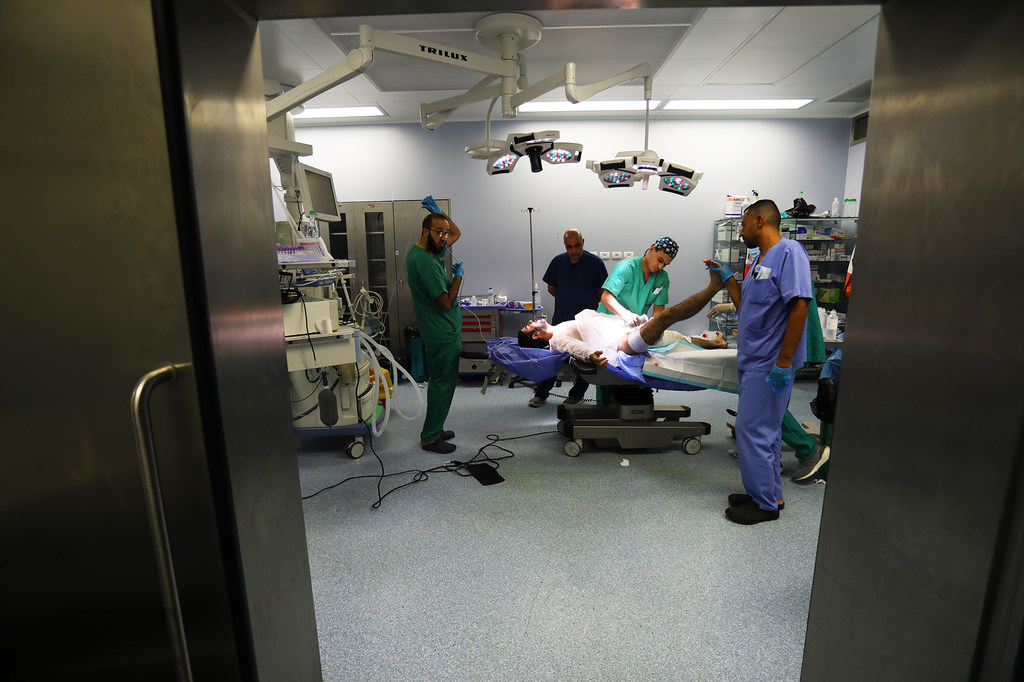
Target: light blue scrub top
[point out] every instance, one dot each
(626, 283)
(784, 273)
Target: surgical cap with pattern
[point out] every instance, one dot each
(668, 245)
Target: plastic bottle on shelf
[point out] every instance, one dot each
(835, 207)
(832, 326)
(822, 319)
(490, 295)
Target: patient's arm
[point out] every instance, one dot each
(573, 345)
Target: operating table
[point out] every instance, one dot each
(630, 420)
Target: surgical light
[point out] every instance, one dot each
(628, 167)
(502, 163)
(537, 147)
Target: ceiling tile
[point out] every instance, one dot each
(686, 71)
(713, 41)
(762, 66)
(738, 15)
(812, 26)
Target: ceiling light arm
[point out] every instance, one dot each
(355, 63)
(647, 123)
(371, 38)
(578, 93)
(529, 93)
(483, 150)
(359, 59)
(433, 114)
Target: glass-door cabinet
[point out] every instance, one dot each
(829, 243)
(377, 236)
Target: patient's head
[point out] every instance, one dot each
(534, 335)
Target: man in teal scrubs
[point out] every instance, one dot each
(435, 298)
(636, 284)
(633, 286)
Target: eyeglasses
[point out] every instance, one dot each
(441, 233)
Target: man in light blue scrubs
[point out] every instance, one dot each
(772, 309)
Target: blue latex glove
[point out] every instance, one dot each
(457, 269)
(724, 270)
(779, 378)
(431, 205)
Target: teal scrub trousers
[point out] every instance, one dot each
(795, 437)
(442, 361)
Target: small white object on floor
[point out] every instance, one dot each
(624, 462)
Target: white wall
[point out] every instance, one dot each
(779, 158)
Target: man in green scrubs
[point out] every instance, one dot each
(435, 298)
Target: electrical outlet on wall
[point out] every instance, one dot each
(627, 254)
(604, 255)
(616, 255)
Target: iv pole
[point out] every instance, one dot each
(533, 280)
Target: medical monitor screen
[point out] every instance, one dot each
(317, 188)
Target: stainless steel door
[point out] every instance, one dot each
(142, 156)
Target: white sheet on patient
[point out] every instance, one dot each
(714, 368)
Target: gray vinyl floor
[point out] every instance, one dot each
(613, 565)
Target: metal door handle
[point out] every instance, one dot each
(155, 510)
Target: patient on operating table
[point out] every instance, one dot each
(594, 337)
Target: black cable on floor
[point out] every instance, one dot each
(419, 475)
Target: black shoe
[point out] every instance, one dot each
(749, 514)
(447, 435)
(572, 400)
(740, 499)
(439, 446)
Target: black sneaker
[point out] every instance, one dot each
(749, 514)
(740, 499)
(572, 400)
(810, 466)
(441, 447)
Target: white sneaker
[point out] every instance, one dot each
(808, 467)
(536, 401)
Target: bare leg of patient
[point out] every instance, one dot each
(654, 328)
